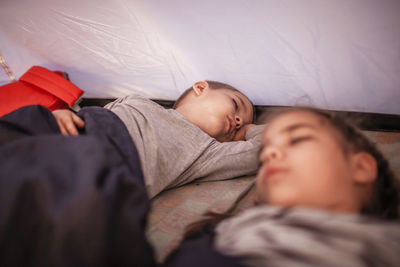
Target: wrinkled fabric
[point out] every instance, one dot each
(38, 86)
(272, 236)
(337, 55)
(173, 151)
(70, 201)
(198, 251)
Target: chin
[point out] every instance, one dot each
(283, 200)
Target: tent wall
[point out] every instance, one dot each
(342, 55)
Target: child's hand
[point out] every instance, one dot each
(241, 134)
(68, 121)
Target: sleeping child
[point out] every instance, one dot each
(191, 141)
(84, 200)
(328, 198)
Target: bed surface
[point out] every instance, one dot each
(174, 209)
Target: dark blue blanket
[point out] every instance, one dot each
(198, 251)
(70, 201)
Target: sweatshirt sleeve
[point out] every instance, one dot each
(221, 161)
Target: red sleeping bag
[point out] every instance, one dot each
(38, 86)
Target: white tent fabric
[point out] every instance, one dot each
(342, 54)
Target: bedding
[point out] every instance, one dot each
(281, 236)
(173, 210)
(84, 196)
(103, 163)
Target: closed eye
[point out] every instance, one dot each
(297, 140)
(235, 104)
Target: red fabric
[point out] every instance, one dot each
(38, 86)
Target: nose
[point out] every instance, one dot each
(238, 121)
(271, 153)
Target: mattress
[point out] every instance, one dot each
(174, 209)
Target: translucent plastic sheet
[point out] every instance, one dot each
(342, 55)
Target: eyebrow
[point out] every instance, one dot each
(290, 129)
(296, 126)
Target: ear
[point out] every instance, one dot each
(364, 167)
(199, 87)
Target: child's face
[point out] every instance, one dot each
(303, 164)
(219, 113)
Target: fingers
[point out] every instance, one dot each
(78, 121)
(62, 128)
(70, 126)
(67, 122)
(241, 133)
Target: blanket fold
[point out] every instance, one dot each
(70, 201)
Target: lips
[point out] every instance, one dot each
(273, 171)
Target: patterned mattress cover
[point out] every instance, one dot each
(174, 209)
